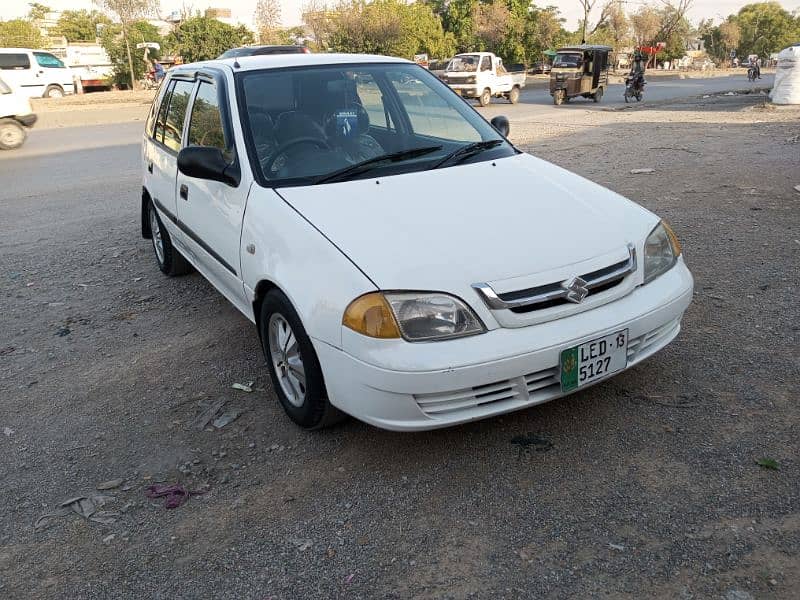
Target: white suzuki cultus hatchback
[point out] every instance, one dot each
(403, 262)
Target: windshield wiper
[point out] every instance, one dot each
(468, 150)
(366, 165)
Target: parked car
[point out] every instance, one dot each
(541, 68)
(36, 73)
(481, 75)
(402, 261)
(264, 50)
(16, 116)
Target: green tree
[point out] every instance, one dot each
(116, 47)
(202, 38)
(389, 27)
(128, 12)
(80, 25)
(765, 27)
(19, 33)
(38, 11)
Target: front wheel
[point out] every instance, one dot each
(293, 365)
(12, 134)
(485, 98)
(598, 95)
(170, 261)
(513, 95)
(638, 96)
(558, 97)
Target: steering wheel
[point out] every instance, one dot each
(280, 150)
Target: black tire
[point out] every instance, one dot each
(598, 95)
(513, 95)
(53, 91)
(638, 96)
(12, 134)
(485, 98)
(558, 97)
(316, 411)
(626, 96)
(170, 261)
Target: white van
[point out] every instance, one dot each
(16, 117)
(36, 73)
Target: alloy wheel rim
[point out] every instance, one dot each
(158, 241)
(284, 352)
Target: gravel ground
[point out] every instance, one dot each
(643, 486)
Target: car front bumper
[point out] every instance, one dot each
(465, 90)
(514, 368)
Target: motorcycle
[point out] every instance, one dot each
(751, 73)
(634, 88)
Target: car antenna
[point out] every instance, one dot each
(236, 64)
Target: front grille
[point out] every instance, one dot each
(558, 293)
(538, 386)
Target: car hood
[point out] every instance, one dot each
(448, 228)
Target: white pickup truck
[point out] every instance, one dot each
(482, 75)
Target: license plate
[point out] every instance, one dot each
(584, 364)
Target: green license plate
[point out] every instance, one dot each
(591, 361)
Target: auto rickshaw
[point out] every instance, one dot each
(579, 71)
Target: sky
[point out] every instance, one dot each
(291, 9)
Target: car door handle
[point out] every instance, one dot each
(184, 191)
(149, 167)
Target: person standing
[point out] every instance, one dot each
(158, 71)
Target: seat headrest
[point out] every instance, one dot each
(347, 122)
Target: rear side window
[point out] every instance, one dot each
(158, 133)
(170, 122)
(205, 124)
(176, 113)
(14, 61)
(45, 59)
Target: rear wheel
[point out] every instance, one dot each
(638, 96)
(170, 261)
(293, 365)
(53, 91)
(12, 134)
(485, 98)
(513, 95)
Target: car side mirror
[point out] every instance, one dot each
(203, 162)
(501, 124)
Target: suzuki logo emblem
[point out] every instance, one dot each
(576, 289)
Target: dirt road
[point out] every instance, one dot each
(646, 485)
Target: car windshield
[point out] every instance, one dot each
(464, 63)
(567, 60)
(311, 124)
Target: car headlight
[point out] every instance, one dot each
(470, 79)
(661, 251)
(415, 316)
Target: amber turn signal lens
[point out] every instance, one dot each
(673, 239)
(372, 316)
